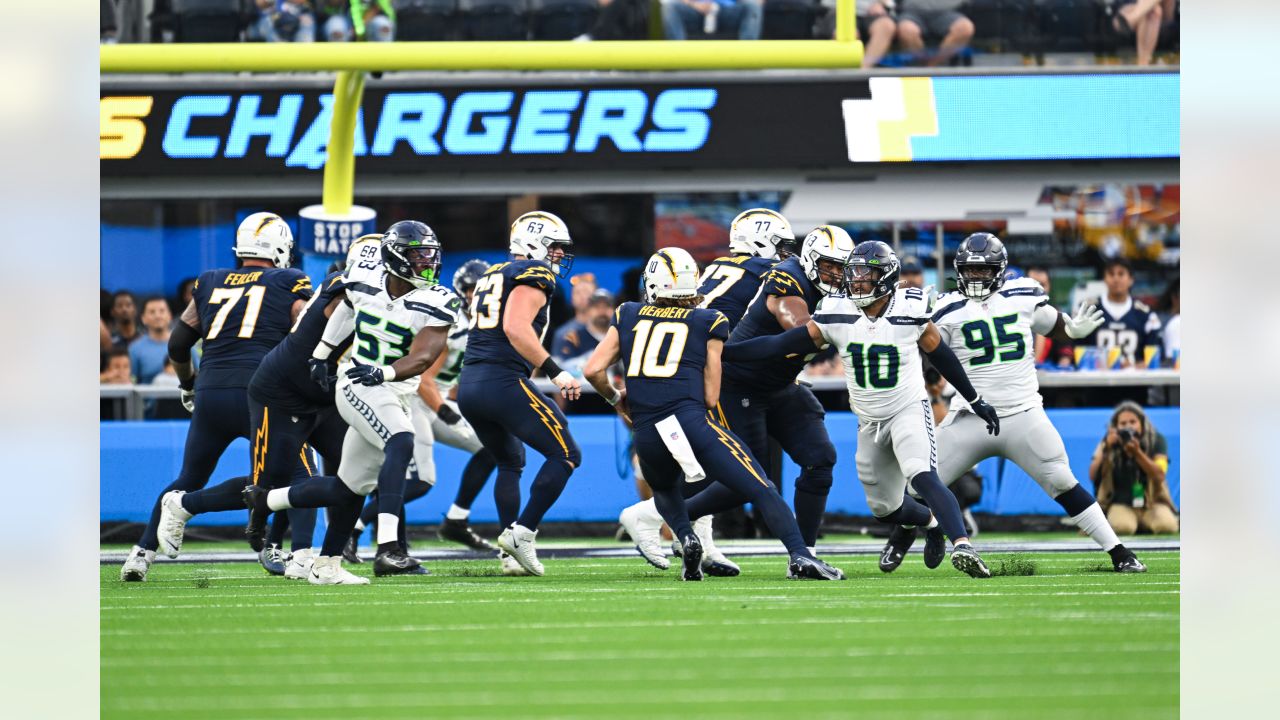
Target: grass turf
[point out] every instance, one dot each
(615, 638)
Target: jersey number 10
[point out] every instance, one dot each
(648, 343)
(874, 364)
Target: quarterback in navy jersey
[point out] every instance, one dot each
(758, 239)
(671, 350)
(509, 314)
(240, 315)
(1127, 323)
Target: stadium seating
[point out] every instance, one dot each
(494, 19)
(206, 20)
(789, 19)
(429, 20)
(562, 19)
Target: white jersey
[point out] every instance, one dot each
(881, 356)
(995, 342)
(447, 378)
(385, 327)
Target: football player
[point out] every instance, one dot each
(509, 315)
(400, 317)
(877, 329)
(240, 315)
(436, 403)
(991, 324)
(672, 348)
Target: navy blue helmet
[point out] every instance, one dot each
(411, 252)
(871, 273)
(466, 277)
(980, 265)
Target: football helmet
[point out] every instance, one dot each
(412, 253)
(762, 233)
(670, 273)
(980, 263)
(830, 243)
(366, 249)
(466, 277)
(534, 234)
(265, 236)
(871, 263)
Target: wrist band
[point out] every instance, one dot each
(617, 398)
(550, 368)
(322, 351)
(388, 373)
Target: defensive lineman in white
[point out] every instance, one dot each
(879, 331)
(989, 323)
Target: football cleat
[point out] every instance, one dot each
(510, 567)
(1129, 564)
(460, 532)
(646, 534)
(900, 541)
(520, 543)
(137, 564)
(299, 565)
(173, 522)
(714, 563)
(807, 568)
(255, 498)
(397, 562)
(965, 559)
(329, 571)
(691, 556)
(273, 559)
(351, 551)
(935, 546)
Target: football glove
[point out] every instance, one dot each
(188, 398)
(1083, 323)
(320, 374)
(448, 415)
(366, 374)
(983, 409)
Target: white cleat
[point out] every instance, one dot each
(137, 564)
(644, 525)
(299, 565)
(510, 567)
(520, 543)
(714, 562)
(173, 523)
(329, 571)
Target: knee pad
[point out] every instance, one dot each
(915, 467)
(815, 480)
(399, 444)
(574, 456)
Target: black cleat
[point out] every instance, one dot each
(900, 541)
(255, 498)
(965, 559)
(272, 559)
(1128, 563)
(460, 532)
(397, 562)
(351, 551)
(935, 547)
(691, 557)
(805, 568)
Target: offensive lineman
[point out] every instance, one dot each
(991, 326)
(672, 349)
(509, 316)
(877, 329)
(240, 314)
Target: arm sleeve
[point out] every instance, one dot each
(181, 340)
(781, 284)
(946, 362)
(795, 341)
(341, 324)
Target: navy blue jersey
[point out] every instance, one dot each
(283, 379)
(664, 350)
(786, 279)
(1132, 327)
(488, 348)
(729, 284)
(243, 315)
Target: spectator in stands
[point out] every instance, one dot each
(702, 18)
(1142, 19)
(148, 353)
(921, 19)
(1128, 471)
(620, 20)
(104, 320)
(115, 368)
(1130, 325)
(124, 319)
(911, 274)
(366, 20)
(576, 339)
(167, 377)
(185, 290)
(283, 21)
(875, 26)
(1171, 306)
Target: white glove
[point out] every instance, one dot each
(1086, 320)
(189, 400)
(569, 386)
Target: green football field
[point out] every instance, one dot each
(607, 638)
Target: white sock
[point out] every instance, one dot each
(457, 513)
(303, 554)
(933, 523)
(388, 528)
(359, 525)
(1094, 522)
(278, 499)
(649, 511)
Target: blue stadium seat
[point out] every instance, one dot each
(494, 19)
(789, 19)
(206, 20)
(562, 19)
(426, 20)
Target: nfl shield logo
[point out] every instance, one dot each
(675, 436)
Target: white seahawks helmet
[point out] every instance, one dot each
(670, 273)
(761, 232)
(826, 242)
(265, 236)
(533, 234)
(366, 248)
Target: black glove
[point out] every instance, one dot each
(365, 374)
(983, 409)
(320, 374)
(448, 415)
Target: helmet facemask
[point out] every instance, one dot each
(419, 265)
(864, 284)
(562, 262)
(979, 280)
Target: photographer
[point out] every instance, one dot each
(1128, 472)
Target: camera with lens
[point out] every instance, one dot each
(1127, 434)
